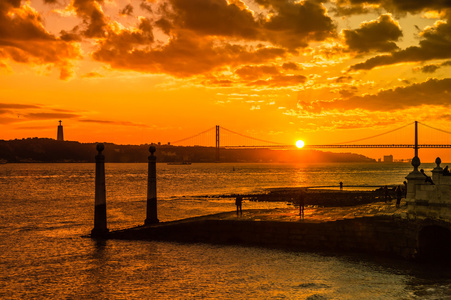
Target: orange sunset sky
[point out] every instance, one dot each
(142, 71)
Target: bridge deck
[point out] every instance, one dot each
(345, 146)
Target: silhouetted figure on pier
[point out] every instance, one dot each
(341, 186)
(428, 178)
(405, 189)
(399, 194)
(238, 203)
(301, 200)
(446, 171)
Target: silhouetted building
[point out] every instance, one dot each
(60, 136)
(388, 158)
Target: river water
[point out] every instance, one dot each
(47, 208)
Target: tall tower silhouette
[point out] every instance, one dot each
(60, 136)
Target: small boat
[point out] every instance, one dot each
(179, 163)
(3, 161)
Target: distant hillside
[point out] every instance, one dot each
(49, 150)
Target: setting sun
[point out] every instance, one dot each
(300, 144)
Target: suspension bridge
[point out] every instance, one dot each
(221, 137)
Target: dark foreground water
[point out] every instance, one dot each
(46, 208)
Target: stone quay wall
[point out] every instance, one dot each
(375, 235)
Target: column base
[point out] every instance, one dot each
(96, 232)
(151, 221)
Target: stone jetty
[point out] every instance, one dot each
(419, 227)
(376, 228)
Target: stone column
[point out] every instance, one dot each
(100, 224)
(414, 179)
(437, 171)
(151, 217)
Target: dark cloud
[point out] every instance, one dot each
(378, 35)
(429, 68)
(292, 24)
(96, 23)
(431, 92)
(290, 66)
(256, 72)
(127, 10)
(347, 93)
(18, 106)
(415, 6)
(47, 116)
(203, 35)
(185, 55)
(146, 6)
(13, 3)
(343, 79)
(350, 7)
(280, 81)
(214, 17)
(433, 68)
(269, 75)
(113, 123)
(435, 44)
(14, 113)
(165, 25)
(295, 24)
(24, 39)
(72, 35)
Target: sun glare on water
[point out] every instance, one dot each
(300, 144)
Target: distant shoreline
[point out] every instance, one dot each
(39, 150)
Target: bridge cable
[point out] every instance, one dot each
(249, 137)
(196, 135)
(377, 135)
(435, 128)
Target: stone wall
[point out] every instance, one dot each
(426, 200)
(376, 235)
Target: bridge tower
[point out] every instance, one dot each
(60, 136)
(217, 143)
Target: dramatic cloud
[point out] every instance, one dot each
(24, 39)
(290, 66)
(185, 55)
(435, 44)
(96, 23)
(127, 10)
(206, 36)
(295, 24)
(432, 68)
(378, 35)
(431, 92)
(214, 17)
(349, 7)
